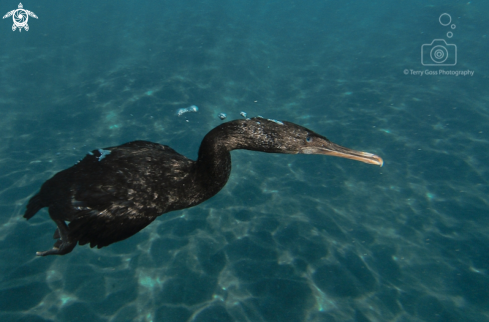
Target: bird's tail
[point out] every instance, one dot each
(34, 205)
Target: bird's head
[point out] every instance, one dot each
(260, 134)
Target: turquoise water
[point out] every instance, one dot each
(291, 237)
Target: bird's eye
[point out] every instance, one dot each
(309, 139)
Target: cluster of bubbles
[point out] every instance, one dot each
(192, 108)
(223, 116)
(445, 19)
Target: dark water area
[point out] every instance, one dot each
(290, 237)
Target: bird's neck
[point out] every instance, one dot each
(213, 165)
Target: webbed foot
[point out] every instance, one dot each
(63, 245)
(59, 248)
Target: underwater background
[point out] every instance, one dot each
(290, 237)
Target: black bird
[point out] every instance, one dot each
(113, 193)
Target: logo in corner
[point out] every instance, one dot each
(439, 53)
(20, 17)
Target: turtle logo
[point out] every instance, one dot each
(20, 17)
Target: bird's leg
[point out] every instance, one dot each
(63, 245)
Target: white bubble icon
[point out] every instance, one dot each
(445, 19)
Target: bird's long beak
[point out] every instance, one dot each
(330, 148)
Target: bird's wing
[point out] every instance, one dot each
(32, 14)
(102, 229)
(106, 212)
(8, 14)
(115, 192)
